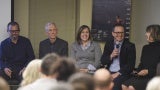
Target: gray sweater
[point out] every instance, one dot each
(83, 58)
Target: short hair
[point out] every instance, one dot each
(64, 67)
(118, 25)
(47, 63)
(49, 24)
(153, 84)
(155, 31)
(83, 78)
(31, 72)
(13, 23)
(3, 84)
(78, 38)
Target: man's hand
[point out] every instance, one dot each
(143, 72)
(114, 54)
(115, 75)
(8, 72)
(20, 73)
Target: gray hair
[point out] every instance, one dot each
(50, 24)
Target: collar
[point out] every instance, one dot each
(53, 42)
(117, 42)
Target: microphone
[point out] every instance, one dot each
(117, 46)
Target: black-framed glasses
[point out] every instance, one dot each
(118, 32)
(14, 31)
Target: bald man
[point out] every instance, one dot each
(103, 80)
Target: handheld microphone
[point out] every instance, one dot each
(117, 46)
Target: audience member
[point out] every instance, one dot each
(32, 72)
(119, 56)
(103, 80)
(3, 84)
(65, 68)
(82, 81)
(52, 44)
(48, 78)
(15, 53)
(153, 84)
(86, 52)
(150, 57)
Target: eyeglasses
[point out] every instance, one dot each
(118, 32)
(14, 31)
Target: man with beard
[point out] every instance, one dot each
(15, 53)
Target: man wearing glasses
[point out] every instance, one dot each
(119, 56)
(15, 53)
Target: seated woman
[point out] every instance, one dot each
(86, 52)
(150, 57)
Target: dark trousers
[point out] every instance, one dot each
(139, 83)
(118, 81)
(14, 76)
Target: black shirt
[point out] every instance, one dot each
(16, 56)
(59, 47)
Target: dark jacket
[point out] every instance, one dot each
(127, 56)
(59, 47)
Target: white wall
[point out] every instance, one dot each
(62, 12)
(5, 17)
(144, 13)
(21, 13)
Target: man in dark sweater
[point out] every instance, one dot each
(15, 53)
(52, 44)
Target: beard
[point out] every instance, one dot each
(14, 38)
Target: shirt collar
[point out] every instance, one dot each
(120, 43)
(87, 45)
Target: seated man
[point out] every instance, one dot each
(119, 56)
(15, 53)
(52, 44)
